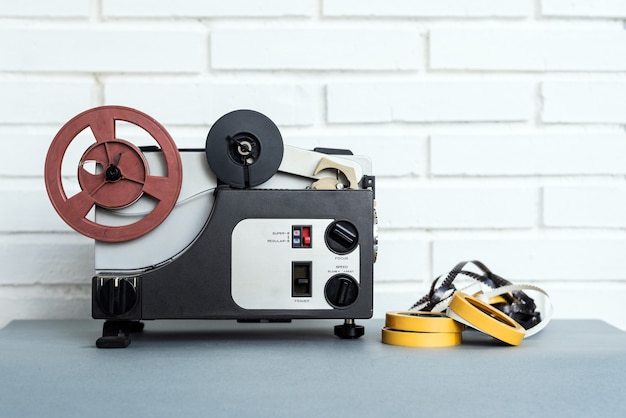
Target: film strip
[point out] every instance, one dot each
(485, 302)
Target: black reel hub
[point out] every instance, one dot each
(244, 148)
(113, 172)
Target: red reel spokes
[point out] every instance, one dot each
(120, 173)
(113, 173)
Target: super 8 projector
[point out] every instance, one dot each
(246, 228)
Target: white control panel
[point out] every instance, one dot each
(286, 264)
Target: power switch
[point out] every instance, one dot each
(301, 276)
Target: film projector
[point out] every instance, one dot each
(246, 229)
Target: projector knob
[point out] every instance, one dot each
(341, 290)
(342, 237)
(117, 296)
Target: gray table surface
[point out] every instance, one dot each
(222, 368)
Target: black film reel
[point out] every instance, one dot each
(244, 148)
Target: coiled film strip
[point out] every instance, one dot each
(532, 313)
(489, 304)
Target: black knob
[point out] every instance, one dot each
(342, 237)
(341, 290)
(117, 296)
(113, 173)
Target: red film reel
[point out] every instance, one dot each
(122, 179)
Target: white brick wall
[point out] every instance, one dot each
(24, 100)
(584, 8)
(521, 49)
(590, 102)
(441, 8)
(201, 102)
(527, 154)
(496, 128)
(440, 206)
(315, 49)
(382, 101)
(593, 206)
(201, 9)
(45, 9)
(83, 48)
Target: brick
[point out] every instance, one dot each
(44, 8)
(200, 9)
(382, 150)
(525, 155)
(585, 206)
(584, 8)
(597, 300)
(102, 50)
(397, 253)
(46, 259)
(397, 296)
(32, 147)
(43, 101)
(584, 102)
(26, 207)
(202, 103)
(49, 302)
(442, 8)
(577, 258)
(316, 49)
(383, 101)
(531, 50)
(188, 137)
(402, 205)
